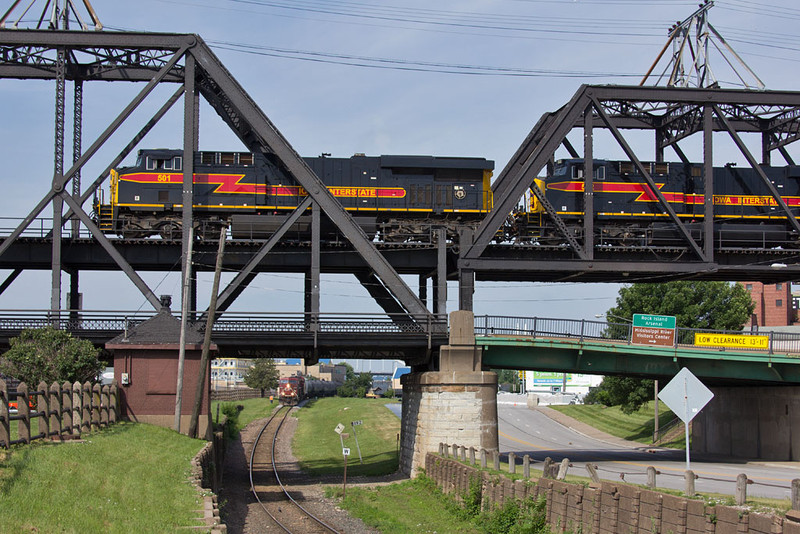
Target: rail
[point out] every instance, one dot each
(588, 330)
(241, 324)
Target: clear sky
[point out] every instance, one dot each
(448, 78)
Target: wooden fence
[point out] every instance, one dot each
(61, 411)
(231, 395)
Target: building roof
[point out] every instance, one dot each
(160, 329)
(400, 371)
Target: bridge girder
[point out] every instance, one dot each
(169, 58)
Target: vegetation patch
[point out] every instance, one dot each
(129, 478)
(241, 413)
(418, 505)
(319, 447)
(636, 426)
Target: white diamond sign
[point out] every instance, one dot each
(685, 395)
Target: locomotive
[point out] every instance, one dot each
(393, 198)
(293, 389)
(628, 213)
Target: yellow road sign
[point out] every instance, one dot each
(731, 341)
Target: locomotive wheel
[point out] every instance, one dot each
(169, 230)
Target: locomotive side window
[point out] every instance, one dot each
(600, 173)
(159, 164)
(245, 159)
(577, 171)
(177, 163)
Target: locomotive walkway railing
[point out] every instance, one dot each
(541, 327)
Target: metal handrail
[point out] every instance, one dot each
(582, 330)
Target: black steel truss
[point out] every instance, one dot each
(184, 59)
(674, 115)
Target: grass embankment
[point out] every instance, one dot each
(637, 426)
(319, 448)
(129, 478)
(252, 409)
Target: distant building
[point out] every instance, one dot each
(775, 304)
(228, 373)
(396, 385)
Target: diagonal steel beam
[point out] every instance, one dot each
(649, 179)
(262, 127)
(756, 167)
(246, 275)
(536, 152)
(59, 184)
(382, 297)
(113, 252)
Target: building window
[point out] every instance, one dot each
(748, 287)
(778, 286)
(779, 303)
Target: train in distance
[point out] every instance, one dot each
(402, 198)
(294, 389)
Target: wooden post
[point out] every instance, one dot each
(187, 284)
(5, 428)
(77, 409)
(455, 451)
(526, 466)
(562, 469)
(593, 472)
(472, 456)
(689, 479)
(66, 409)
(796, 494)
(96, 408)
(86, 407)
(741, 489)
(512, 463)
(204, 355)
(483, 458)
(548, 462)
(651, 477)
(43, 407)
(24, 412)
(446, 450)
(54, 407)
(104, 401)
(463, 453)
(441, 449)
(113, 402)
(496, 460)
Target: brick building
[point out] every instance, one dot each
(774, 304)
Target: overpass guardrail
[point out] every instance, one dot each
(606, 331)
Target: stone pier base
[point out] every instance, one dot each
(446, 407)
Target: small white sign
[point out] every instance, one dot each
(355, 423)
(339, 428)
(346, 451)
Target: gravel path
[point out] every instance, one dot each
(242, 513)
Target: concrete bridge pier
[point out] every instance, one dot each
(456, 404)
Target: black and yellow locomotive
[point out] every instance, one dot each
(394, 198)
(628, 213)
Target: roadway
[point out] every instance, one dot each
(525, 431)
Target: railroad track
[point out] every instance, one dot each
(265, 483)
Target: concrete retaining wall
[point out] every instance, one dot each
(606, 507)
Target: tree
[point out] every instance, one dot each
(263, 375)
(703, 305)
(356, 386)
(49, 355)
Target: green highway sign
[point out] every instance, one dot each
(654, 321)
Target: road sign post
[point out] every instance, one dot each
(686, 396)
(354, 424)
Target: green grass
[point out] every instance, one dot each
(252, 409)
(637, 426)
(129, 478)
(410, 507)
(320, 450)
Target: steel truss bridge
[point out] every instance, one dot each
(677, 117)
